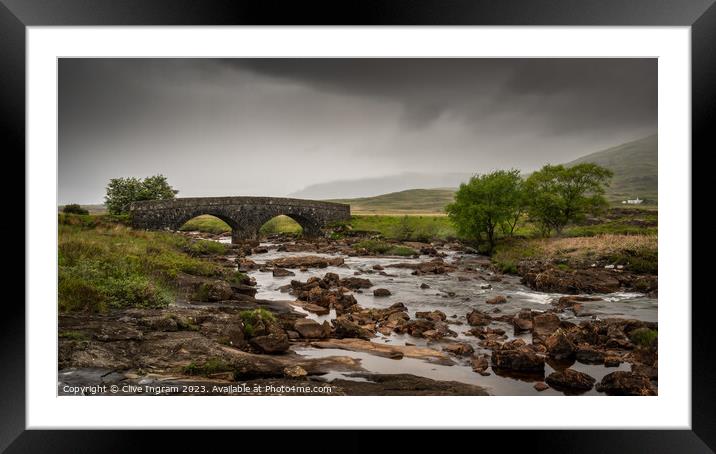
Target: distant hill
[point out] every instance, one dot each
(635, 169)
(370, 187)
(411, 201)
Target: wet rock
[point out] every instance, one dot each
(355, 283)
(518, 357)
(486, 286)
(381, 292)
(378, 268)
(612, 361)
(459, 349)
(570, 380)
(436, 266)
(499, 299)
(344, 328)
(424, 286)
(435, 315)
(550, 279)
(586, 354)
(260, 250)
(307, 261)
(294, 372)
(271, 343)
(405, 384)
(217, 291)
(282, 272)
(540, 386)
(522, 321)
(559, 346)
(246, 264)
(480, 364)
(622, 383)
(388, 351)
(542, 326)
(478, 318)
(570, 300)
(311, 329)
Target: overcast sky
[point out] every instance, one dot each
(275, 126)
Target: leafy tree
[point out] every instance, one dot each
(560, 195)
(74, 208)
(485, 203)
(123, 191)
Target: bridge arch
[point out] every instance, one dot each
(245, 215)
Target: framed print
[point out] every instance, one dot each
(240, 218)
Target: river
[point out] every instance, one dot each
(455, 294)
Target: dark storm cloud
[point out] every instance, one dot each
(273, 126)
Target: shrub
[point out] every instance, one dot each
(74, 208)
(644, 337)
(251, 317)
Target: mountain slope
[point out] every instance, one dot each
(635, 169)
(411, 201)
(375, 186)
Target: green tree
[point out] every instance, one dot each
(560, 195)
(123, 191)
(485, 203)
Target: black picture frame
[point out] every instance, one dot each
(700, 15)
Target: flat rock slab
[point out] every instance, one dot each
(404, 385)
(388, 351)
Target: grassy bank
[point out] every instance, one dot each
(638, 253)
(104, 264)
(415, 228)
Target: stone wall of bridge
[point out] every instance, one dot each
(245, 215)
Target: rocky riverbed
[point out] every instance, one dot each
(343, 322)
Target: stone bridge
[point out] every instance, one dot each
(245, 215)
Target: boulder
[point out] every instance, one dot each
(344, 328)
(311, 329)
(218, 291)
(435, 315)
(294, 372)
(499, 299)
(381, 292)
(559, 346)
(543, 325)
(355, 283)
(306, 261)
(522, 321)
(459, 349)
(271, 343)
(515, 356)
(623, 383)
(480, 364)
(570, 380)
(282, 272)
(540, 386)
(478, 318)
(586, 354)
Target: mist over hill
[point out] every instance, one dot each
(635, 167)
(369, 187)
